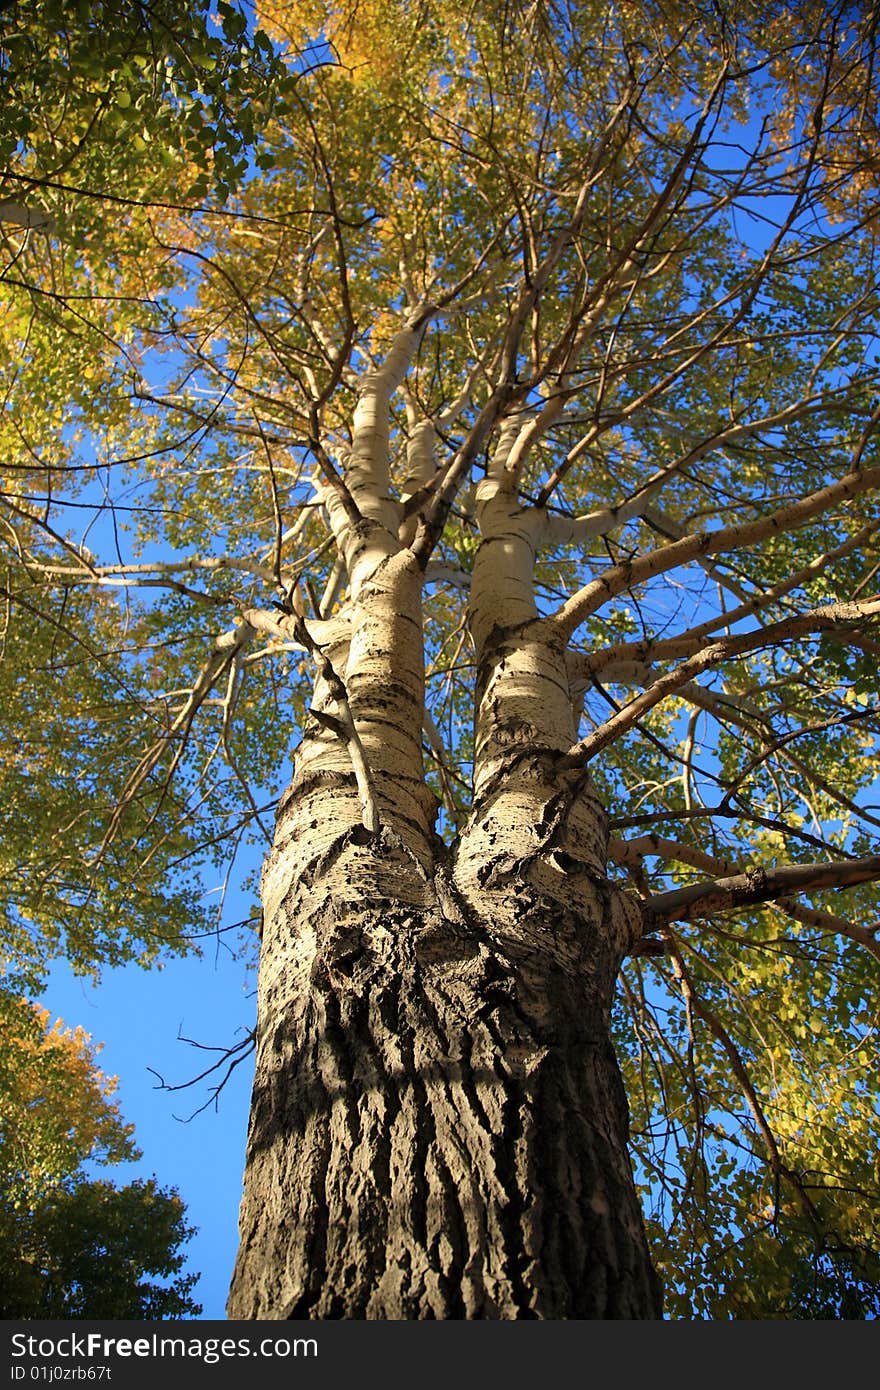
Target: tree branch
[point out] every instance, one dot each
(704, 543)
(824, 619)
(757, 885)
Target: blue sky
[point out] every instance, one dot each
(138, 1015)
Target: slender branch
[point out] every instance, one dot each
(582, 665)
(231, 1058)
(558, 530)
(632, 852)
(341, 724)
(830, 922)
(703, 543)
(828, 618)
(740, 1071)
(69, 574)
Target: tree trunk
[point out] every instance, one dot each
(438, 1126)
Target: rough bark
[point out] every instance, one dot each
(438, 1125)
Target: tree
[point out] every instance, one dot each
(99, 143)
(86, 1248)
(502, 464)
(74, 1247)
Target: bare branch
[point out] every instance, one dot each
(704, 543)
(828, 619)
(755, 886)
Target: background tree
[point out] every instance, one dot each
(74, 1247)
(102, 104)
(86, 1251)
(506, 444)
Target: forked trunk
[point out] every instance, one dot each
(438, 1125)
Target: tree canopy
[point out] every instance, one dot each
(75, 1246)
(594, 283)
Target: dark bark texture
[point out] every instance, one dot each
(438, 1124)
